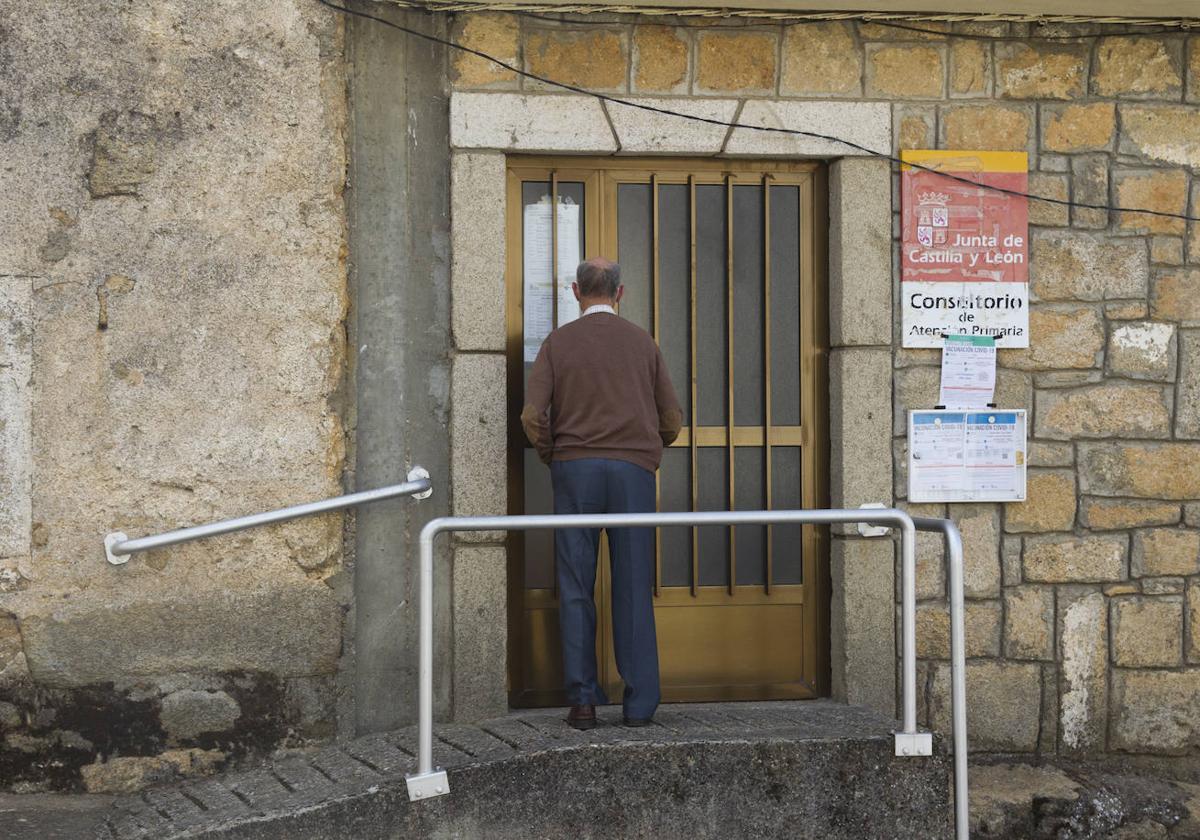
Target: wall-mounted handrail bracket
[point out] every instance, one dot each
(866, 529)
(110, 540)
(416, 474)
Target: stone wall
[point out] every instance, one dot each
(172, 297)
(1083, 602)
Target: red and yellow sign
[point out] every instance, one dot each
(964, 264)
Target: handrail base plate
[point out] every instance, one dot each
(913, 744)
(427, 785)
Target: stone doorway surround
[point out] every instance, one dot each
(484, 128)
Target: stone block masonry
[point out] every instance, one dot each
(1082, 600)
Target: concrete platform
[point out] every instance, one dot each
(51, 816)
(805, 769)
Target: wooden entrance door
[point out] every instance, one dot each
(723, 262)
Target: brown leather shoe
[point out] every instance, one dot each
(582, 717)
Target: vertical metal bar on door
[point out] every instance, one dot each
(553, 250)
(656, 306)
(554, 294)
(766, 188)
(729, 421)
(692, 442)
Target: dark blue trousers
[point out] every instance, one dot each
(605, 485)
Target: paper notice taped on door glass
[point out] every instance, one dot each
(539, 280)
(966, 456)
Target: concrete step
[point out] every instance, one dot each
(788, 769)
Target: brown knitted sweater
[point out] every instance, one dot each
(600, 389)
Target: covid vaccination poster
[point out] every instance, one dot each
(966, 456)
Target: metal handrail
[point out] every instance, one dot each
(958, 666)
(118, 547)
(429, 781)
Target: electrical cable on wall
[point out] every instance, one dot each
(642, 106)
(1180, 27)
(453, 6)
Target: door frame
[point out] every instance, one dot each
(488, 125)
(601, 176)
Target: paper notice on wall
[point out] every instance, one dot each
(539, 278)
(968, 372)
(935, 453)
(995, 455)
(965, 456)
(568, 307)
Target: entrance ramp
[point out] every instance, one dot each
(804, 769)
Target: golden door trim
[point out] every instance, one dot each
(601, 177)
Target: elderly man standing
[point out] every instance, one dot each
(599, 409)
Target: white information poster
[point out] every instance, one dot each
(538, 278)
(968, 372)
(966, 456)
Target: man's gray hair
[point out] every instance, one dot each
(598, 278)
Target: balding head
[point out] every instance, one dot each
(598, 278)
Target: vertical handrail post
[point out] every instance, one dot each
(909, 742)
(427, 781)
(958, 669)
(908, 594)
(425, 747)
(958, 677)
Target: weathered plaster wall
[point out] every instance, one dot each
(398, 206)
(1083, 602)
(172, 298)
